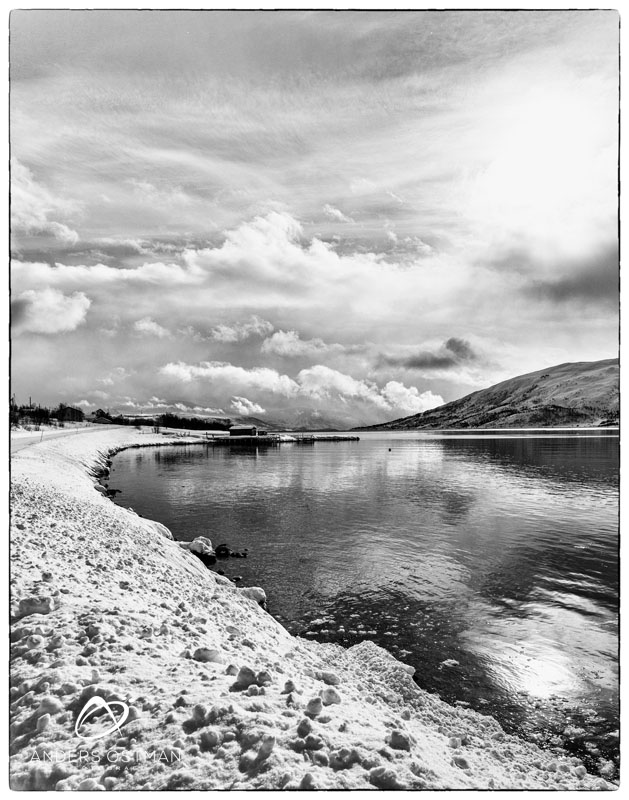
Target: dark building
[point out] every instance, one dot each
(69, 414)
(243, 430)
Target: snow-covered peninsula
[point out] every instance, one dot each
(208, 690)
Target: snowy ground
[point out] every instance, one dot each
(24, 437)
(219, 695)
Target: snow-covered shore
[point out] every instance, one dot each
(220, 695)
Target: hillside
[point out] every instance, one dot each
(569, 395)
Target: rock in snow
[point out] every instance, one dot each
(128, 618)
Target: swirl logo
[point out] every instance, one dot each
(95, 705)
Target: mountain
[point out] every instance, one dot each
(585, 393)
(264, 424)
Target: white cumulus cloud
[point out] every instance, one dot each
(239, 331)
(244, 407)
(32, 207)
(408, 398)
(319, 387)
(149, 327)
(49, 311)
(258, 378)
(288, 343)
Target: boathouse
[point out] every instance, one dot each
(243, 430)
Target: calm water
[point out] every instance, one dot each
(488, 563)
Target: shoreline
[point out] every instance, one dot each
(310, 715)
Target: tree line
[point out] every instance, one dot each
(41, 415)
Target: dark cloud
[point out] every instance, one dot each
(453, 352)
(597, 281)
(460, 348)
(423, 360)
(18, 311)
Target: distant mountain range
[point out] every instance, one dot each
(299, 420)
(585, 393)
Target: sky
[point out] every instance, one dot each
(323, 217)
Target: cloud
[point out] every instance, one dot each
(259, 378)
(114, 376)
(452, 353)
(408, 399)
(49, 311)
(245, 408)
(149, 327)
(288, 343)
(461, 349)
(594, 281)
(32, 207)
(335, 213)
(324, 383)
(207, 410)
(239, 331)
(319, 388)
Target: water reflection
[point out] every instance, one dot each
(489, 564)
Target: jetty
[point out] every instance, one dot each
(265, 439)
(252, 436)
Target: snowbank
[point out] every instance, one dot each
(208, 689)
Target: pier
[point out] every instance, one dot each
(275, 439)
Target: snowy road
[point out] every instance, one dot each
(20, 442)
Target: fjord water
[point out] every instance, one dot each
(489, 563)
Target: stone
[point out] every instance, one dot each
(247, 761)
(50, 705)
(36, 605)
(314, 707)
(304, 727)
(454, 742)
(43, 722)
(246, 676)
(313, 742)
(202, 545)
(384, 778)
(343, 758)
(298, 745)
(399, 740)
(307, 783)
(206, 654)
(320, 758)
(268, 743)
(209, 739)
(255, 593)
(329, 696)
(90, 785)
(263, 678)
(331, 678)
(162, 530)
